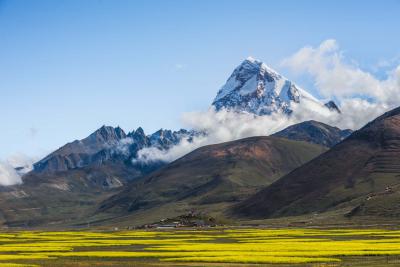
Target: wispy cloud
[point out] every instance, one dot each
(179, 66)
(8, 175)
(22, 161)
(33, 131)
(362, 96)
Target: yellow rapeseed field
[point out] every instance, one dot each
(247, 246)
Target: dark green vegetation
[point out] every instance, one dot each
(358, 177)
(211, 178)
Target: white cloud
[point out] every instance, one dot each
(122, 147)
(179, 66)
(33, 131)
(221, 126)
(8, 175)
(226, 125)
(384, 64)
(21, 160)
(361, 95)
(151, 154)
(333, 77)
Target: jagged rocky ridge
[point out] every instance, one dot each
(109, 144)
(256, 88)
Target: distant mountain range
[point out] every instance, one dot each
(307, 168)
(110, 145)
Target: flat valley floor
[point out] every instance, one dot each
(202, 247)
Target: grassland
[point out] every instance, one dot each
(189, 247)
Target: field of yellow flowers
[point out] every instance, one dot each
(216, 247)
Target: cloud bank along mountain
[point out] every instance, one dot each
(256, 100)
(8, 174)
(14, 167)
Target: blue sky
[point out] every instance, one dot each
(68, 67)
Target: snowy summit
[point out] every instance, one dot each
(256, 88)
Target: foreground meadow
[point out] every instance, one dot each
(217, 247)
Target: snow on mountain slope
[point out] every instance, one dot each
(255, 88)
(109, 144)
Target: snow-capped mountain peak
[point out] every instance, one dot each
(256, 88)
